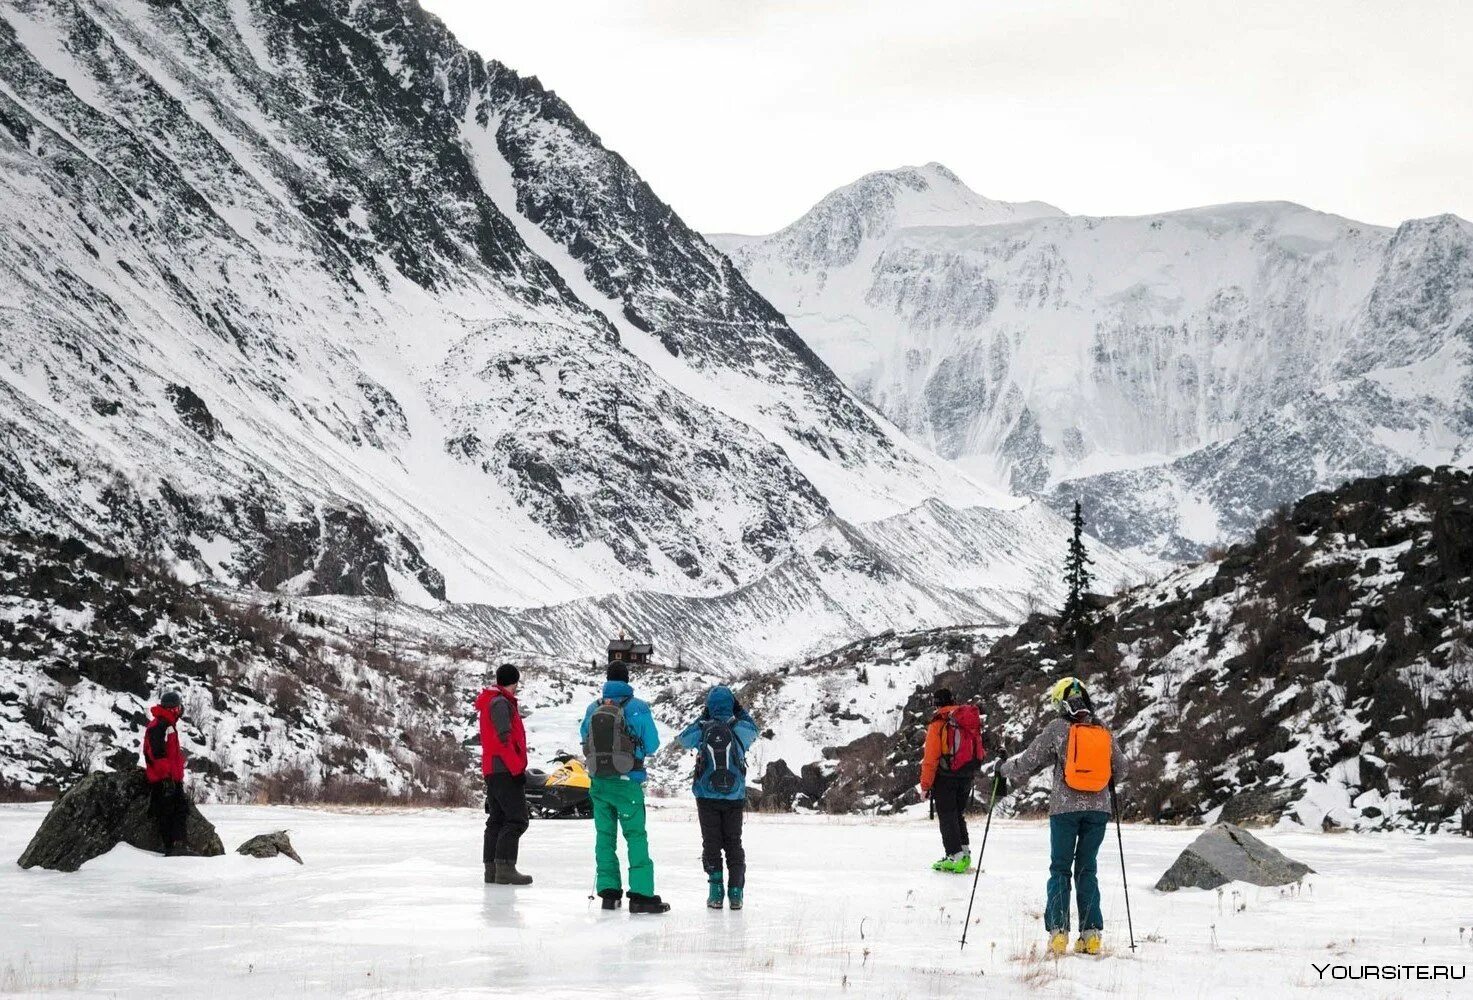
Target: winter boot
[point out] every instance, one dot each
(612, 898)
(490, 873)
(507, 874)
(1058, 942)
(1088, 943)
(944, 865)
(961, 863)
(647, 904)
(734, 895)
(715, 892)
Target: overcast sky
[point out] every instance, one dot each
(742, 113)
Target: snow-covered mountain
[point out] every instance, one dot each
(311, 298)
(1184, 373)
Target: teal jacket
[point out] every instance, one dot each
(638, 719)
(720, 704)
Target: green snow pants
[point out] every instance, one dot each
(618, 802)
(1074, 840)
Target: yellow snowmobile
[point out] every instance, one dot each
(561, 793)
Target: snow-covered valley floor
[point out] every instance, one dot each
(390, 903)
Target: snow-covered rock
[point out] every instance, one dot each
(1184, 373)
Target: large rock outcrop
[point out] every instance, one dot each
(1225, 853)
(100, 812)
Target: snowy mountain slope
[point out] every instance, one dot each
(310, 298)
(929, 567)
(1316, 674)
(1183, 372)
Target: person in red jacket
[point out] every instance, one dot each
(504, 766)
(164, 766)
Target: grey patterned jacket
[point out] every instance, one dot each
(1048, 748)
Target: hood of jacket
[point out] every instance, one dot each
(720, 702)
(169, 715)
(618, 690)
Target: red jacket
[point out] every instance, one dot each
(162, 758)
(509, 751)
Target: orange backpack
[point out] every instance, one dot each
(1087, 757)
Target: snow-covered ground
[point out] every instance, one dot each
(391, 904)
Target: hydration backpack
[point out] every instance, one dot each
(961, 740)
(609, 747)
(721, 759)
(1087, 757)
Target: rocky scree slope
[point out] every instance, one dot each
(285, 699)
(1319, 673)
(1184, 373)
(309, 297)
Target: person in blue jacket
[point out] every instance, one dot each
(721, 738)
(618, 800)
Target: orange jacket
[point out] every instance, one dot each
(932, 757)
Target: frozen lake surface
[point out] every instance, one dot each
(390, 903)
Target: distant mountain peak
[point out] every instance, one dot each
(835, 231)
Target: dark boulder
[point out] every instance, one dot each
(1225, 853)
(780, 787)
(269, 845)
(103, 810)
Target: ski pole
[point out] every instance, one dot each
(991, 801)
(1115, 808)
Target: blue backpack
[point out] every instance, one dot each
(721, 759)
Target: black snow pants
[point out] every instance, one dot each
(721, 831)
(950, 793)
(170, 810)
(506, 817)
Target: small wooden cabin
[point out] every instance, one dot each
(622, 650)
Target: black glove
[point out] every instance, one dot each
(736, 707)
(1000, 785)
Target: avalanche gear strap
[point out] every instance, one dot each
(1087, 757)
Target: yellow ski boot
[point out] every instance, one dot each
(1058, 943)
(1087, 943)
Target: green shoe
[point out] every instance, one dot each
(736, 897)
(715, 893)
(961, 864)
(944, 865)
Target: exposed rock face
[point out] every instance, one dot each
(1183, 372)
(1225, 853)
(269, 845)
(103, 810)
(1256, 807)
(327, 303)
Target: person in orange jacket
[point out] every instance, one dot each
(952, 757)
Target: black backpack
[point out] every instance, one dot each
(721, 760)
(609, 748)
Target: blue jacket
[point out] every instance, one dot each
(720, 703)
(636, 716)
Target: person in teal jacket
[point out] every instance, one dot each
(721, 736)
(618, 803)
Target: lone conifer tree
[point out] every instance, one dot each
(1077, 618)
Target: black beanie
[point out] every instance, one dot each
(507, 675)
(617, 671)
(943, 697)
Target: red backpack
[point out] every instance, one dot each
(961, 740)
